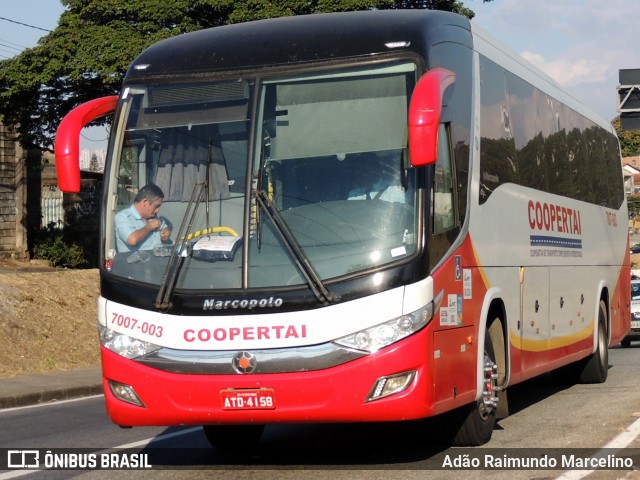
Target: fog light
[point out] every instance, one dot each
(391, 385)
(126, 393)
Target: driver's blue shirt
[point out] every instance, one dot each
(128, 221)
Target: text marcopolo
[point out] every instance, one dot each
(244, 304)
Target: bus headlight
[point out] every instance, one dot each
(124, 345)
(374, 338)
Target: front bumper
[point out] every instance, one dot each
(336, 394)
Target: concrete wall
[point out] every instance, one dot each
(13, 197)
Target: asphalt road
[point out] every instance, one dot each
(544, 415)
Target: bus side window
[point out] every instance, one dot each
(443, 196)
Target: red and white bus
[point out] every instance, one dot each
(374, 216)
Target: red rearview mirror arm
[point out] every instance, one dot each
(67, 143)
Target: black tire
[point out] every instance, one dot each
(475, 422)
(626, 343)
(230, 438)
(595, 368)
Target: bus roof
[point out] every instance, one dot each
(302, 38)
(331, 36)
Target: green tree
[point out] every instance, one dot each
(446, 5)
(88, 53)
(629, 147)
(633, 204)
(629, 139)
(93, 163)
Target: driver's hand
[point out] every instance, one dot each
(154, 224)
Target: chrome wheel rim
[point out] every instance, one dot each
(489, 399)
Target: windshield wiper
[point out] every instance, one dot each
(300, 259)
(180, 250)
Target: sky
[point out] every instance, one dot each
(579, 43)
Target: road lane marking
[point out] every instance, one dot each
(51, 403)
(147, 441)
(618, 443)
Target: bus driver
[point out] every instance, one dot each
(138, 227)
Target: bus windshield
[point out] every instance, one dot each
(262, 182)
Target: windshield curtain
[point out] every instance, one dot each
(327, 185)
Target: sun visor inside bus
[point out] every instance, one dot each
(169, 95)
(349, 115)
(170, 105)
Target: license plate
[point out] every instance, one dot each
(635, 323)
(248, 399)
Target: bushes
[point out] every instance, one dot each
(57, 246)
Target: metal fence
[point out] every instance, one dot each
(51, 206)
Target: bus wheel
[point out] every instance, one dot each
(238, 438)
(478, 419)
(595, 368)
